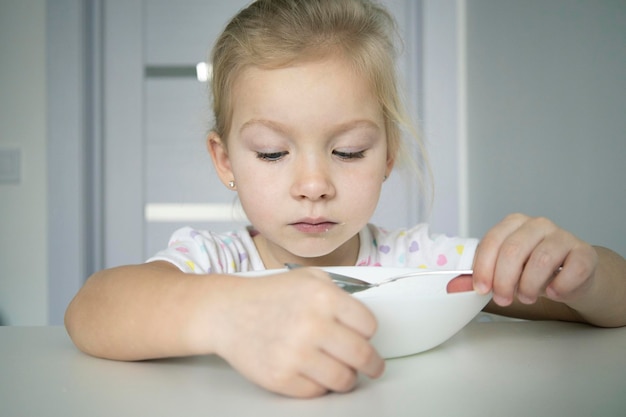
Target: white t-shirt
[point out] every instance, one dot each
(204, 252)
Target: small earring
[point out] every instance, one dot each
(384, 178)
(231, 185)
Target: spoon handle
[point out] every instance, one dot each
(342, 280)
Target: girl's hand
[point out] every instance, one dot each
(522, 256)
(297, 334)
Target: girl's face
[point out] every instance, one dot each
(307, 150)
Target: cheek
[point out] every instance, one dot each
(256, 193)
(363, 191)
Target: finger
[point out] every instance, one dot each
(344, 307)
(544, 260)
(576, 274)
(330, 373)
(462, 283)
(488, 251)
(355, 315)
(353, 350)
(515, 253)
(300, 386)
(284, 379)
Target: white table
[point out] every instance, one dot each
(488, 369)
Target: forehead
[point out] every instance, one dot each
(323, 91)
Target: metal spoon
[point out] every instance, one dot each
(353, 285)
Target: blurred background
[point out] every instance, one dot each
(104, 113)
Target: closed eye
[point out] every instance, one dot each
(349, 155)
(270, 156)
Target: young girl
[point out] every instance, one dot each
(307, 129)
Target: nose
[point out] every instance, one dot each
(312, 180)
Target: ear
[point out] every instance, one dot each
(390, 163)
(219, 154)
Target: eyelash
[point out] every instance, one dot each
(276, 156)
(270, 156)
(349, 155)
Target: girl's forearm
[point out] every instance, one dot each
(143, 312)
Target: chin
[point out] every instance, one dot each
(317, 253)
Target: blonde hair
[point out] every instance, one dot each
(279, 33)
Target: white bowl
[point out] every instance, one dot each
(414, 314)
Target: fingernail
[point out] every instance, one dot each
(551, 293)
(501, 301)
(481, 288)
(524, 299)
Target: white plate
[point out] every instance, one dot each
(414, 314)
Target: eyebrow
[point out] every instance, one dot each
(275, 126)
(335, 131)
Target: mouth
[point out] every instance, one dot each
(313, 225)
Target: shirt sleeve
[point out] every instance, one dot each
(203, 252)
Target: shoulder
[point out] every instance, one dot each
(203, 251)
(416, 247)
(206, 237)
(382, 238)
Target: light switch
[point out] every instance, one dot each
(10, 165)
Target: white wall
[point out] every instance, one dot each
(546, 89)
(23, 208)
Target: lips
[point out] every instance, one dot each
(313, 225)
